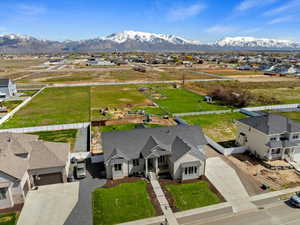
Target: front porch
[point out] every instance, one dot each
(157, 165)
(281, 154)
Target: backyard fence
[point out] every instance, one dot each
(47, 128)
(10, 114)
(225, 151)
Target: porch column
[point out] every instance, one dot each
(146, 163)
(282, 153)
(156, 165)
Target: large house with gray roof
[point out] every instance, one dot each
(270, 137)
(177, 150)
(8, 88)
(26, 162)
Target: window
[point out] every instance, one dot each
(295, 136)
(136, 162)
(190, 170)
(276, 151)
(273, 138)
(118, 167)
(3, 193)
(162, 160)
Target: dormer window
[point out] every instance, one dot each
(273, 139)
(296, 136)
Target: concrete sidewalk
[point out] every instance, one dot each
(228, 183)
(49, 205)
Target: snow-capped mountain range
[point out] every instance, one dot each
(138, 41)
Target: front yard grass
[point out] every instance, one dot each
(8, 219)
(180, 100)
(192, 195)
(219, 127)
(122, 203)
(67, 136)
(61, 105)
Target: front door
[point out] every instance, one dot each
(151, 164)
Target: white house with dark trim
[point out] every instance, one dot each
(270, 137)
(26, 162)
(177, 150)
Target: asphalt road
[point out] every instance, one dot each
(276, 214)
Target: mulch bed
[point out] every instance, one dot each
(171, 200)
(16, 208)
(154, 200)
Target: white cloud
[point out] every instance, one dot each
(281, 19)
(220, 29)
(249, 4)
(182, 13)
(289, 6)
(30, 10)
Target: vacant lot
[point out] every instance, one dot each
(53, 106)
(128, 126)
(219, 127)
(66, 136)
(179, 100)
(8, 66)
(8, 219)
(192, 195)
(232, 72)
(125, 202)
(284, 95)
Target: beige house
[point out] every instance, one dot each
(26, 162)
(177, 150)
(270, 137)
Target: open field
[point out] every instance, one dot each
(10, 105)
(219, 127)
(284, 95)
(232, 72)
(192, 195)
(66, 136)
(8, 219)
(179, 100)
(122, 203)
(53, 106)
(106, 75)
(122, 127)
(8, 66)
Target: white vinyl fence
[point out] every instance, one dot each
(10, 114)
(225, 151)
(47, 128)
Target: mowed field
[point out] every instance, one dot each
(219, 127)
(180, 100)
(53, 106)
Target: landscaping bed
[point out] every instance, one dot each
(8, 218)
(122, 203)
(190, 194)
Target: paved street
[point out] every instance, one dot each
(278, 213)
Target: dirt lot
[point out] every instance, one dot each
(263, 78)
(276, 179)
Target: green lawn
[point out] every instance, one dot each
(10, 105)
(28, 93)
(193, 195)
(219, 127)
(67, 136)
(8, 219)
(125, 202)
(54, 106)
(181, 100)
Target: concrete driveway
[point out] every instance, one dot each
(82, 214)
(49, 205)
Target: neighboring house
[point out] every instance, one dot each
(177, 150)
(270, 137)
(26, 162)
(7, 88)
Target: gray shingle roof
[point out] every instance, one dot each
(134, 142)
(4, 82)
(272, 124)
(41, 154)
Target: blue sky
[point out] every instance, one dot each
(204, 20)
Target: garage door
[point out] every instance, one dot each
(46, 179)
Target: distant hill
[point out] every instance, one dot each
(138, 41)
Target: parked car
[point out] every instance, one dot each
(80, 170)
(295, 200)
